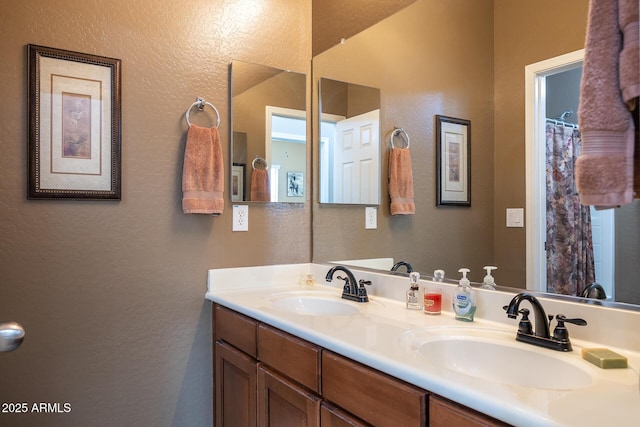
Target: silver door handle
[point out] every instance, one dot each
(11, 336)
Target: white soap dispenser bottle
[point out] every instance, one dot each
(464, 299)
(489, 282)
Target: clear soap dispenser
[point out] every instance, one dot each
(414, 299)
(489, 282)
(464, 298)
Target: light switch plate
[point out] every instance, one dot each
(515, 217)
(240, 218)
(371, 218)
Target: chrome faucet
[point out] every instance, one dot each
(351, 290)
(539, 334)
(405, 264)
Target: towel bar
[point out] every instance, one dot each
(201, 103)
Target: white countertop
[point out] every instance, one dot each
(373, 337)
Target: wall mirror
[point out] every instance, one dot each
(349, 144)
(476, 73)
(269, 134)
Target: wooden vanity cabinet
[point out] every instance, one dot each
(266, 377)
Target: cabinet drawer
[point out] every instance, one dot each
(371, 395)
(292, 356)
(332, 416)
(444, 413)
(236, 329)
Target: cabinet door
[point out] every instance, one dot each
(235, 388)
(444, 413)
(331, 416)
(282, 403)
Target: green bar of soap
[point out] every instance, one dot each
(604, 358)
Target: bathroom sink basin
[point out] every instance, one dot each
(496, 356)
(314, 304)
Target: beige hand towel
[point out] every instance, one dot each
(401, 182)
(260, 189)
(604, 170)
(203, 172)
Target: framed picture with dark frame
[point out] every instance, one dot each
(74, 125)
(453, 157)
(237, 182)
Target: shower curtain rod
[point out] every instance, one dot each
(562, 122)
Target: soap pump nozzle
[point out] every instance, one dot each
(438, 276)
(414, 298)
(489, 282)
(414, 277)
(464, 281)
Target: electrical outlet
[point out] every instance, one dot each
(370, 218)
(240, 218)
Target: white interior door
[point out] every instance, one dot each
(357, 159)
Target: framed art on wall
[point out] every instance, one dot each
(453, 157)
(237, 182)
(295, 184)
(74, 125)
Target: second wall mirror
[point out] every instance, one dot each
(269, 134)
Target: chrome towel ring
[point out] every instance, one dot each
(397, 131)
(201, 103)
(259, 159)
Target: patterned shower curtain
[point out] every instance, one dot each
(570, 263)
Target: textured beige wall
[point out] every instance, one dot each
(526, 32)
(112, 293)
(430, 58)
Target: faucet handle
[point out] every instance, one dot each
(561, 318)
(347, 287)
(561, 332)
(525, 324)
(362, 291)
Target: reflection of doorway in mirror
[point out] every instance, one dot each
(356, 159)
(552, 87)
(285, 145)
(328, 139)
